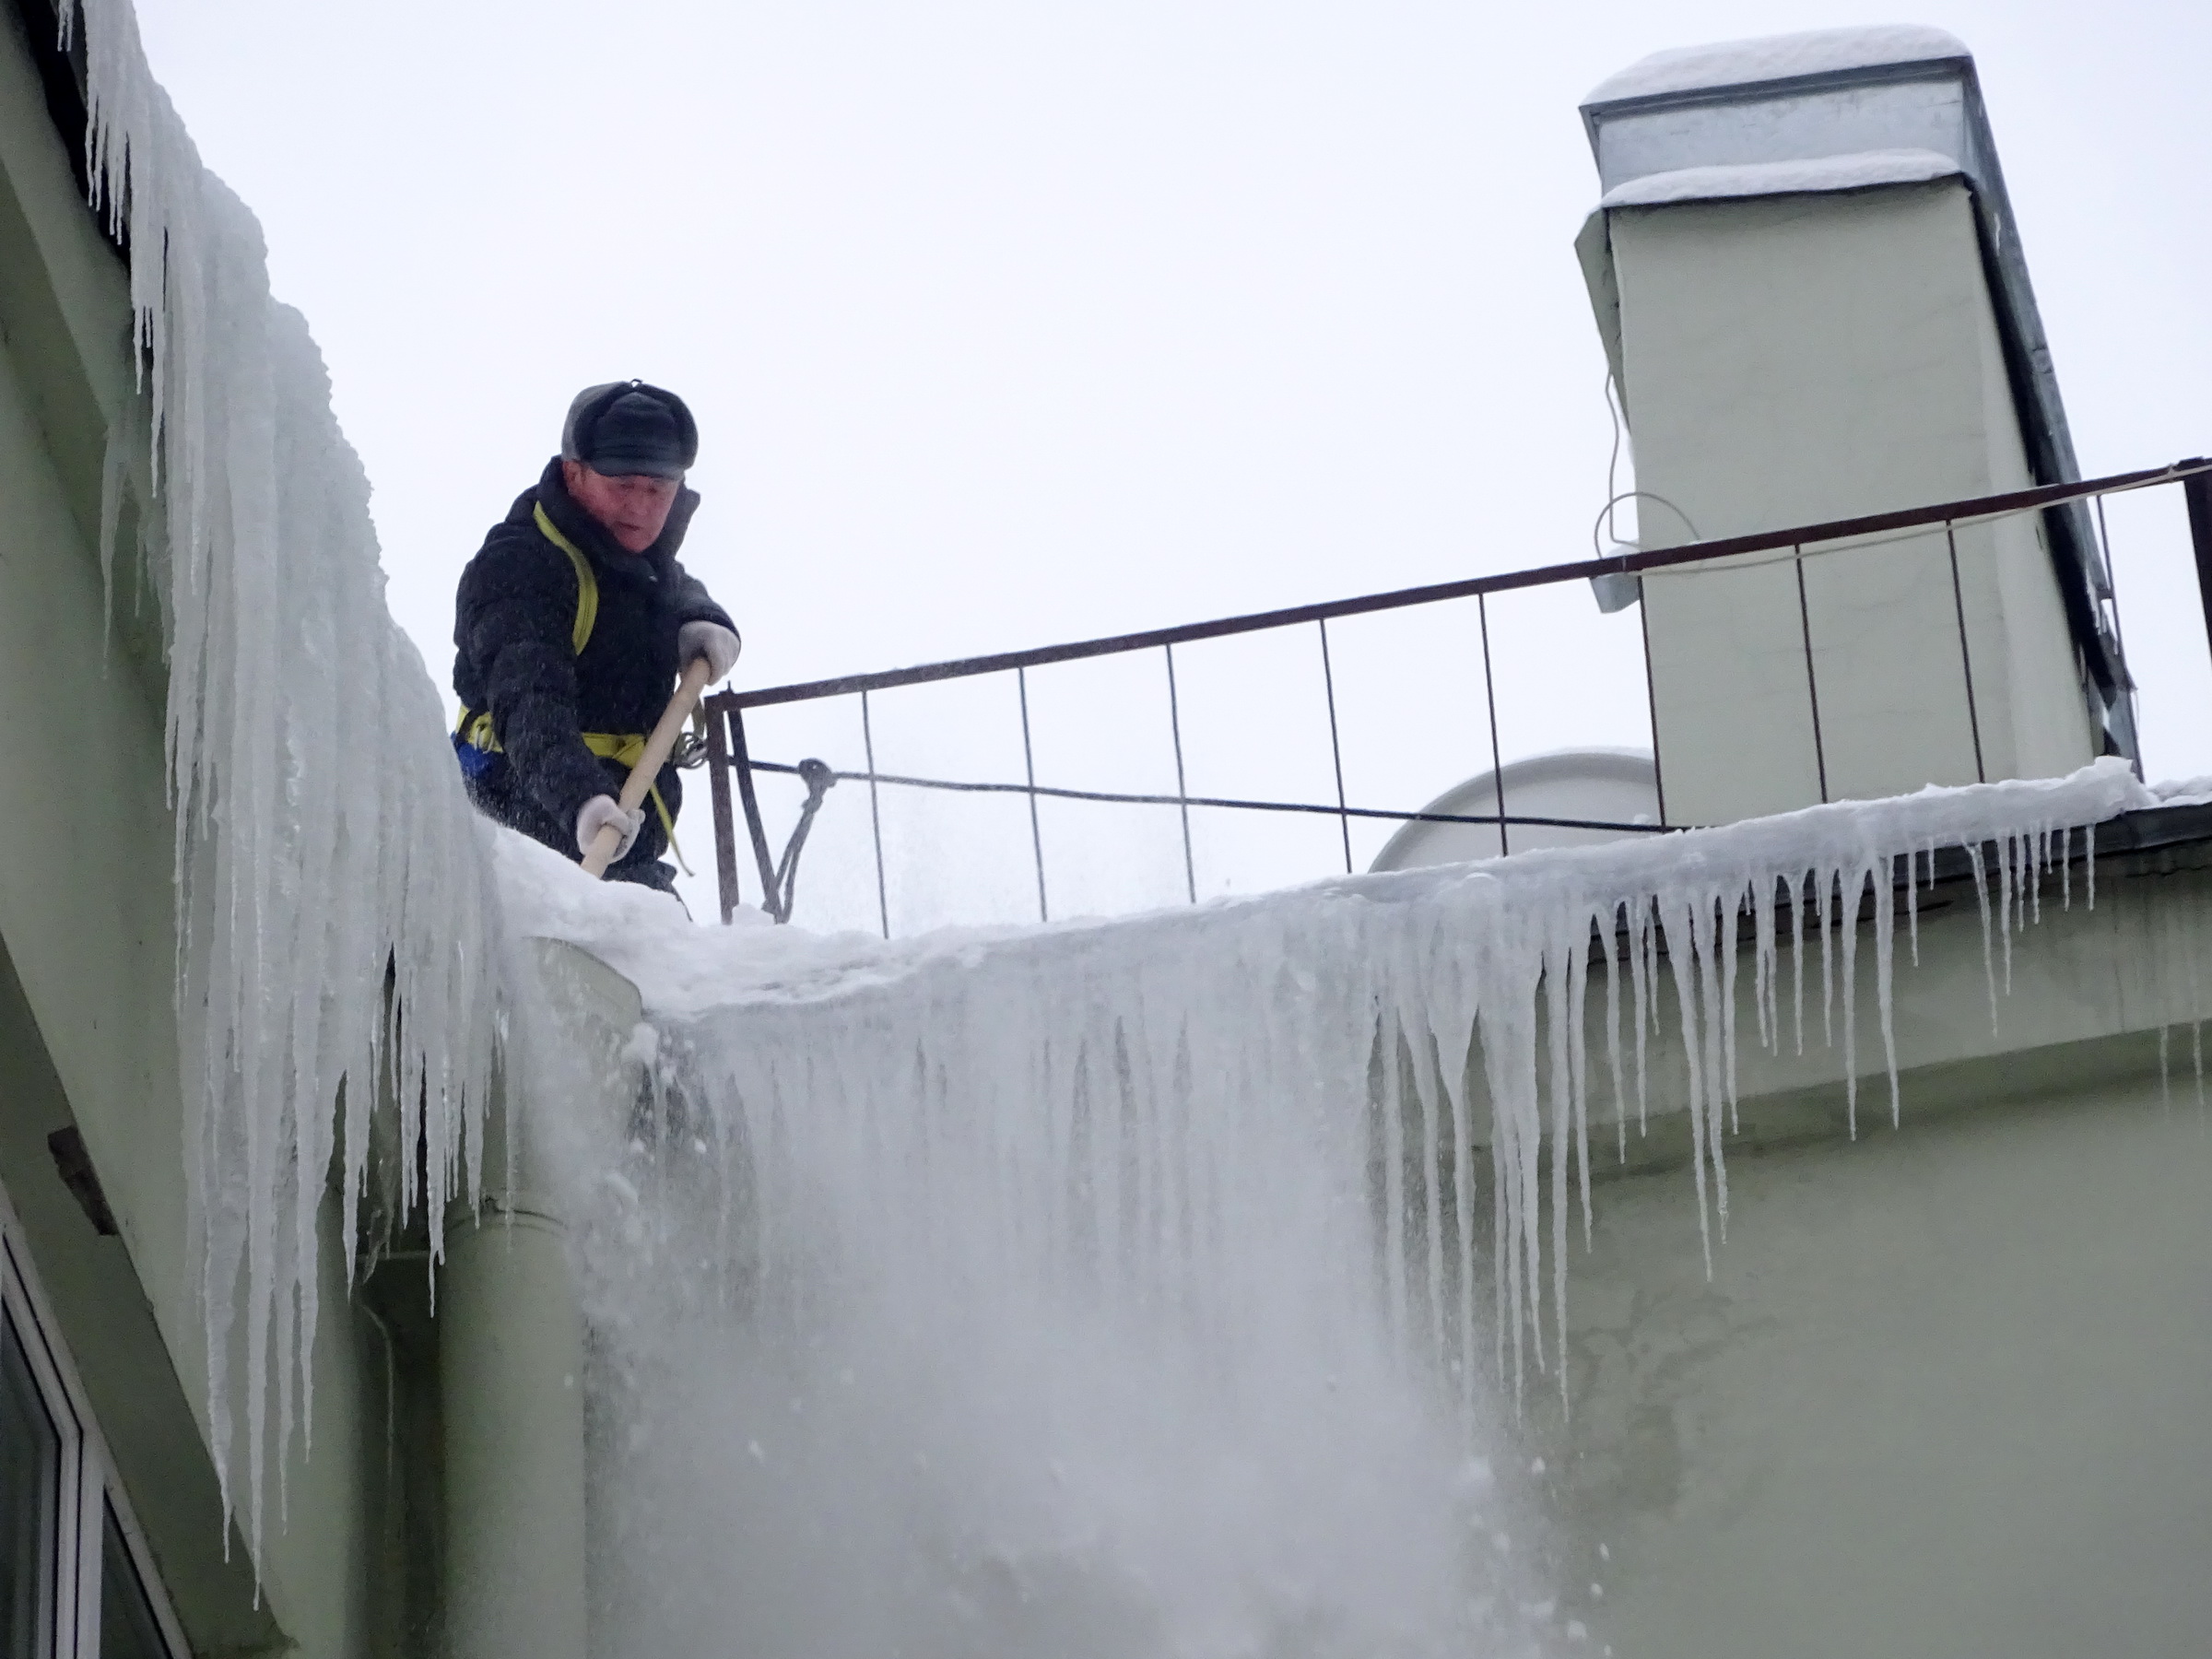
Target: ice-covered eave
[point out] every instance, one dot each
(1977, 862)
(688, 973)
(2004, 954)
(334, 919)
(1547, 1012)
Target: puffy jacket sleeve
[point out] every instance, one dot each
(518, 610)
(691, 602)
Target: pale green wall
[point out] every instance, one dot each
(87, 1031)
(1944, 1395)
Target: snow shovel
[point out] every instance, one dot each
(649, 764)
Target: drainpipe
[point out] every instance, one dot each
(510, 1370)
(511, 1350)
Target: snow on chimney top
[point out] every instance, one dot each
(1776, 58)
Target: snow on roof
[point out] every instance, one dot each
(1862, 171)
(1254, 1017)
(1777, 57)
(686, 972)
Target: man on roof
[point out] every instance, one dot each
(572, 625)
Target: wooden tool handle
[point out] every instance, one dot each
(650, 763)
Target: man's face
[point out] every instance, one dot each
(633, 508)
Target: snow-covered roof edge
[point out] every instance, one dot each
(1267, 1009)
(686, 972)
(1777, 57)
(1862, 171)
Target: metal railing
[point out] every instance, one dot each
(727, 753)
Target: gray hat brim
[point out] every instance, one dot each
(617, 466)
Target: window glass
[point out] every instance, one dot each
(128, 1630)
(30, 1473)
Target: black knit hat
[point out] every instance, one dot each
(626, 426)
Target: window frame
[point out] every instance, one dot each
(88, 1487)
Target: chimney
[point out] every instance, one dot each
(1815, 306)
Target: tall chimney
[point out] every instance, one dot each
(1815, 306)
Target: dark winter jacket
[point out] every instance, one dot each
(513, 637)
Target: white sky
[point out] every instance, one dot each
(1008, 324)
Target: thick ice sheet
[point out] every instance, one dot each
(1776, 57)
(335, 924)
(1166, 1284)
(1863, 171)
(1277, 1005)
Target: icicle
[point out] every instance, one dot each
(1850, 890)
(1463, 1207)
(1558, 1077)
(1647, 1014)
(1912, 895)
(1885, 948)
(335, 928)
(1824, 894)
(1989, 971)
(1505, 1283)
(1716, 1023)
(1621, 1102)
(1683, 962)
(1432, 1199)
(1394, 1178)
(1578, 1066)
(1766, 947)
(2038, 870)
(2008, 873)
(1730, 908)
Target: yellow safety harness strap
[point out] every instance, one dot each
(624, 748)
(627, 750)
(587, 584)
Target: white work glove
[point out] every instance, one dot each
(712, 640)
(597, 814)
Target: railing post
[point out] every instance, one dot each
(1328, 682)
(1028, 764)
(2196, 489)
(1651, 707)
(883, 891)
(1182, 788)
(1812, 684)
(1966, 658)
(771, 900)
(726, 829)
(1489, 700)
(2112, 594)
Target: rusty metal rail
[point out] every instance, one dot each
(728, 750)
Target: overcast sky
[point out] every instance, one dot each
(1011, 323)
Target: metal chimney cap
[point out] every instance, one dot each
(1814, 53)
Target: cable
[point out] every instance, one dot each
(963, 787)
